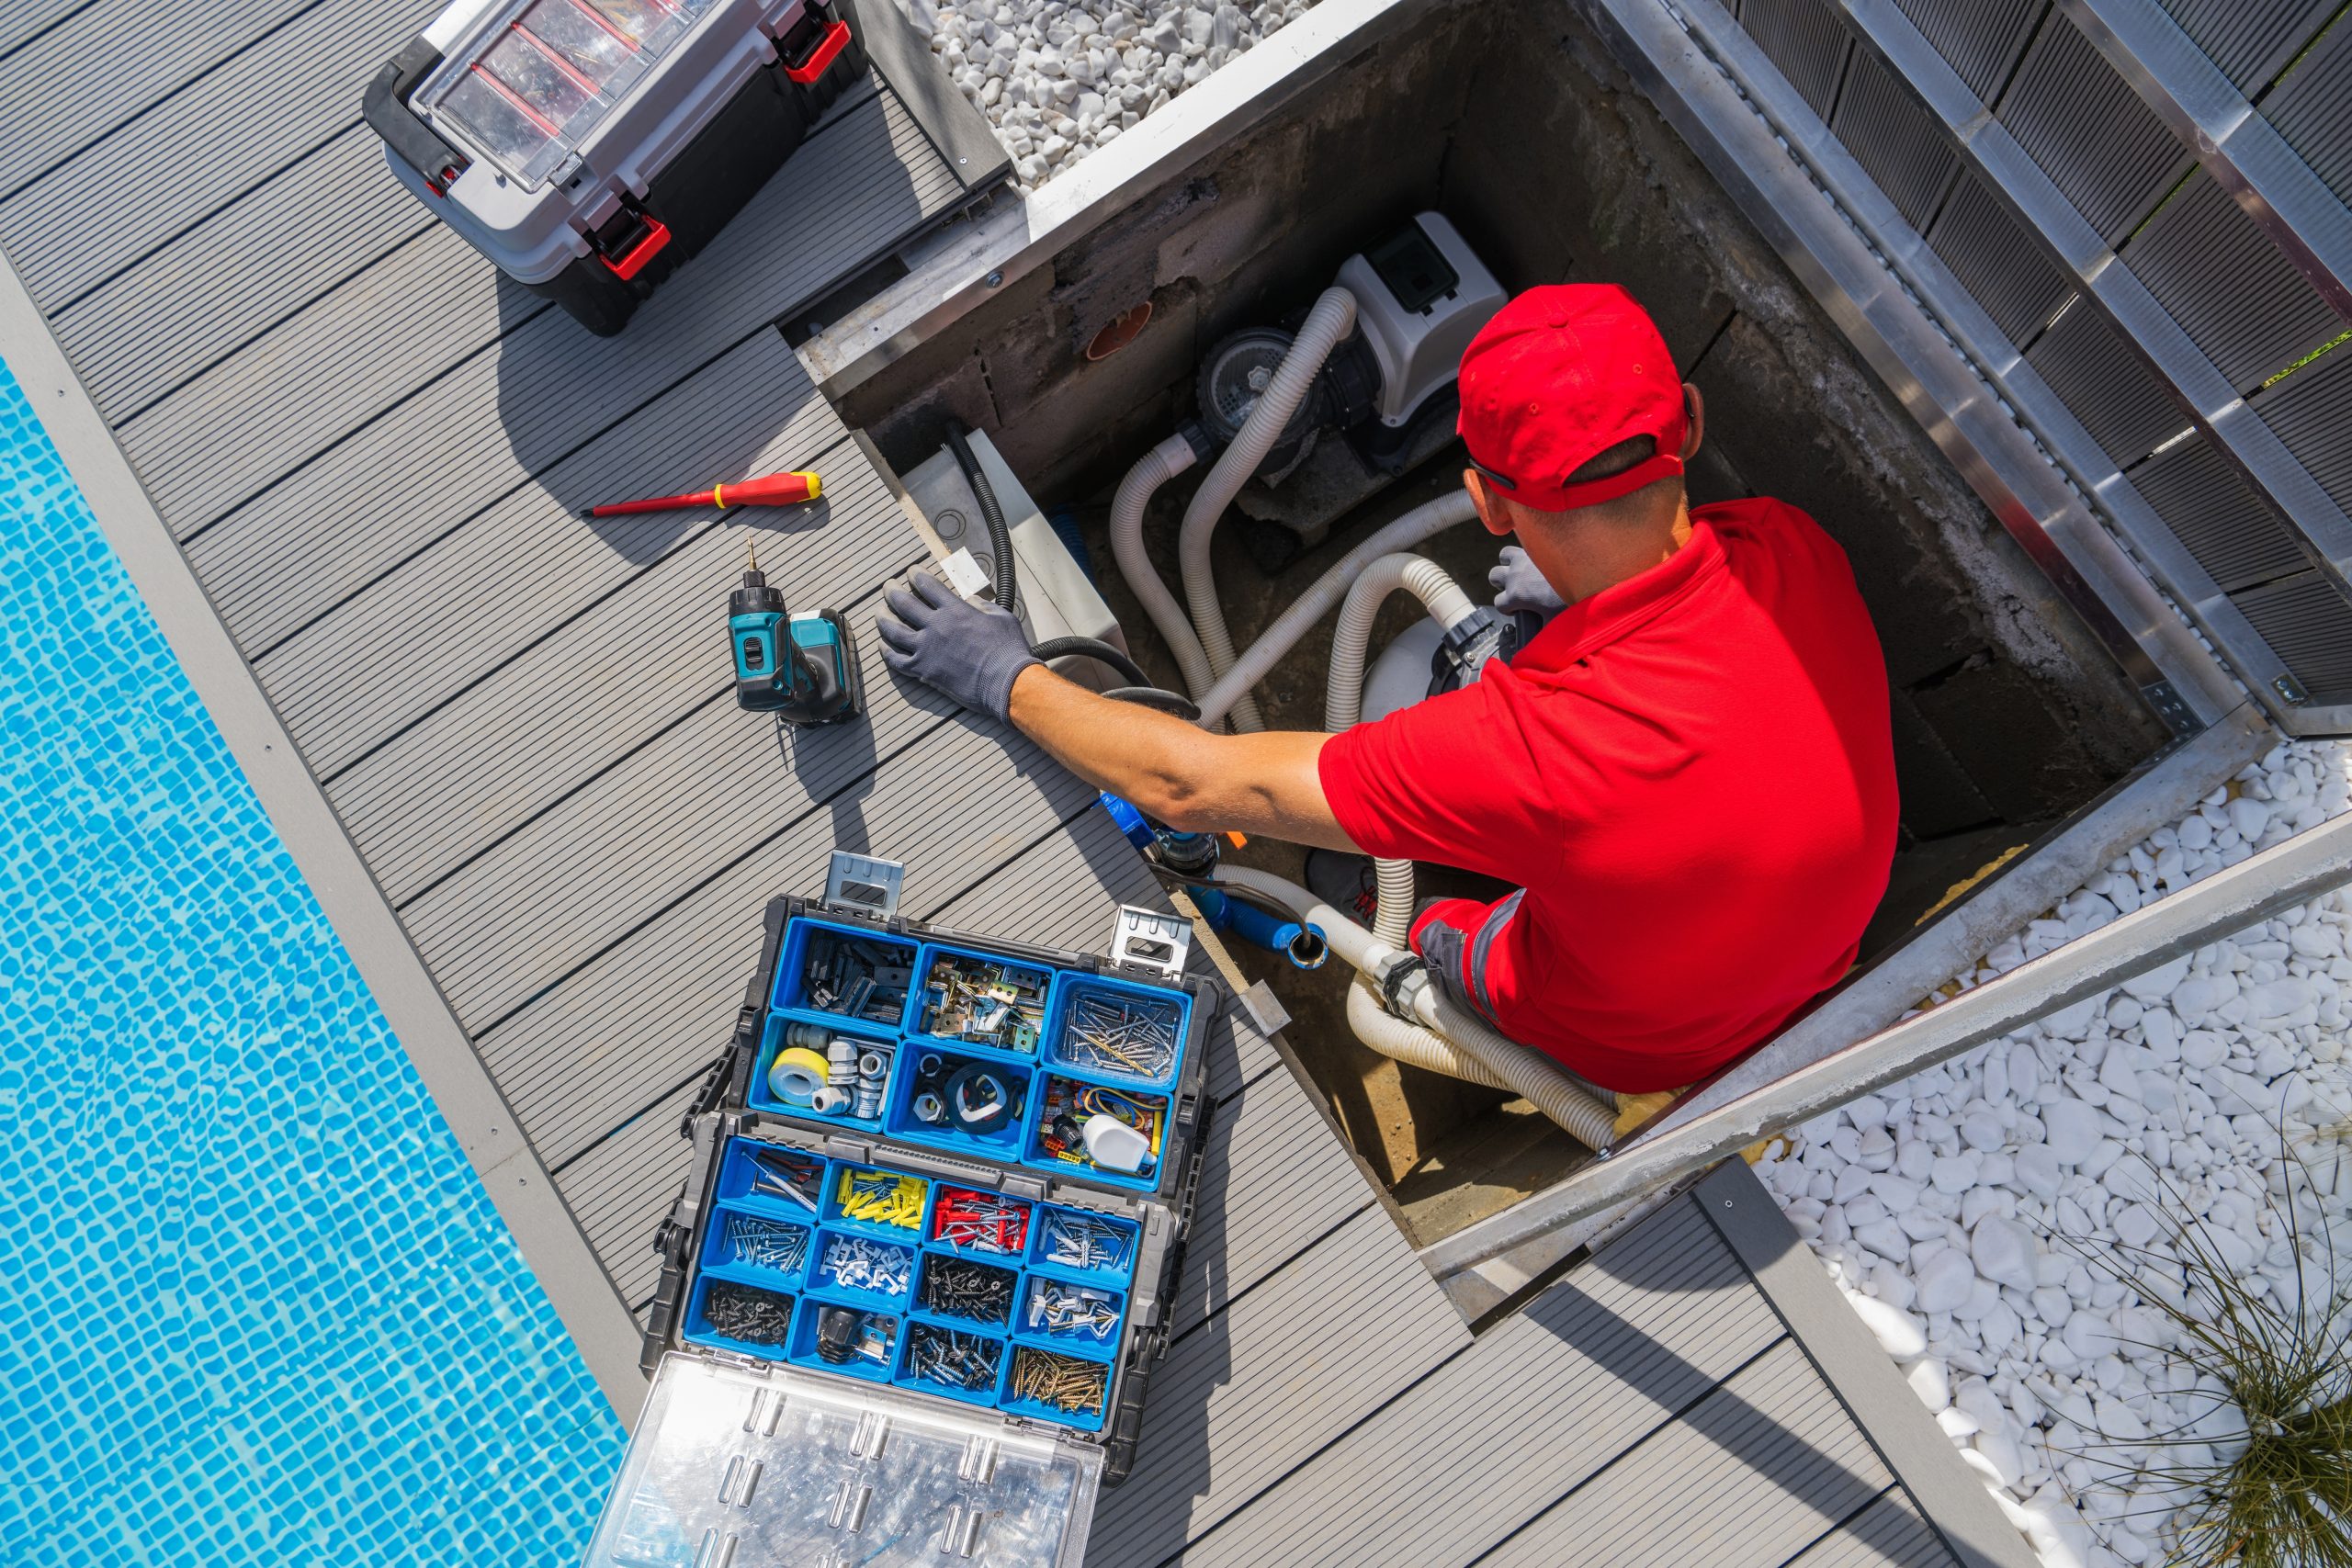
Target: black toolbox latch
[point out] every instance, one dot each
(809, 48)
(629, 239)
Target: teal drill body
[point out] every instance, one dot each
(803, 668)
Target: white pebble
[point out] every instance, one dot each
(1945, 1281)
(2073, 1128)
(1930, 1380)
(2003, 1252)
(1898, 1332)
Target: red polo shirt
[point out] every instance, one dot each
(1690, 773)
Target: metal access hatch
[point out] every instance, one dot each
(758, 1464)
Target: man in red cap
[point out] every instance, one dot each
(1688, 774)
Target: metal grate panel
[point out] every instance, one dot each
(2233, 292)
(2107, 387)
(1980, 39)
(2308, 621)
(1996, 260)
(2100, 145)
(2311, 110)
(2311, 412)
(1893, 139)
(1804, 38)
(2251, 41)
(2224, 525)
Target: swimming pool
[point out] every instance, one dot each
(255, 1307)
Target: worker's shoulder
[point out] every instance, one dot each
(1758, 525)
(1762, 518)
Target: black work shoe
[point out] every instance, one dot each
(1345, 882)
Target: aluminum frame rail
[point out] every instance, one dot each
(2232, 142)
(2213, 405)
(1939, 354)
(2256, 890)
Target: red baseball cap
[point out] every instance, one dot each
(1556, 378)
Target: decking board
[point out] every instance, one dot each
(1608, 1355)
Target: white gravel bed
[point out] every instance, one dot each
(1058, 79)
(1934, 1206)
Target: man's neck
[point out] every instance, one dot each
(1592, 558)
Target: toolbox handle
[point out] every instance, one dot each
(829, 48)
(384, 106)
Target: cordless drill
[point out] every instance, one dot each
(803, 668)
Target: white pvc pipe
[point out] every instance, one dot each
(1352, 641)
(1151, 470)
(1327, 324)
(1412, 1044)
(1524, 1072)
(1346, 935)
(1275, 643)
(1529, 1073)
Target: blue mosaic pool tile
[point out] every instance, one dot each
(255, 1307)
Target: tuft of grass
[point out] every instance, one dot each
(2262, 1475)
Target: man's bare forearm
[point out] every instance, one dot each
(1177, 772)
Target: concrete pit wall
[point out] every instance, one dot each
(1510, 116)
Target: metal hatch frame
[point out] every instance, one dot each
(1975, 395)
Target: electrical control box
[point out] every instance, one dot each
(1422, 294)
(893, 1331)
(1058, 597)
(587, 147)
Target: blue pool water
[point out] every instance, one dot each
(254, 1308)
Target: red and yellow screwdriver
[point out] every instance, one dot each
(767, 490)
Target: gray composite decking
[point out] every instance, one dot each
(369, 450)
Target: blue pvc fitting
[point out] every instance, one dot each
(1131, 821)
(1301, 944)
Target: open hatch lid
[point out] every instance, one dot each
(742, 1466)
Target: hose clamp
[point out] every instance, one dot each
(1394, 983)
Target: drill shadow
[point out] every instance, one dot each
(819, 755)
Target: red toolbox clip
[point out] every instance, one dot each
(830, 44)
(628, 240)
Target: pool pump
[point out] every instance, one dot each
(1421, 294)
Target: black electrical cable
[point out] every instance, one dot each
(1094, 649)
(1153, 697)
(1008, 591)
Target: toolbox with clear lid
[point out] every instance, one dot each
(587, 147)
(881, 1338)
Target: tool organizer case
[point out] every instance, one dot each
(791, 1218)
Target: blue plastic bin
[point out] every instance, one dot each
(921, 1331)
(918, 1002)
(908, 1082)
(802, 1349)
(790, 990)
(1070, 989)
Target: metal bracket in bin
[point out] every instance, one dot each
(863, 885)
(1149, 940)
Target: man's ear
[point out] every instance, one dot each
(1491, 512)
(1694, 428)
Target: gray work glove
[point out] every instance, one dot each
(970, 653)
(1519, 588)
